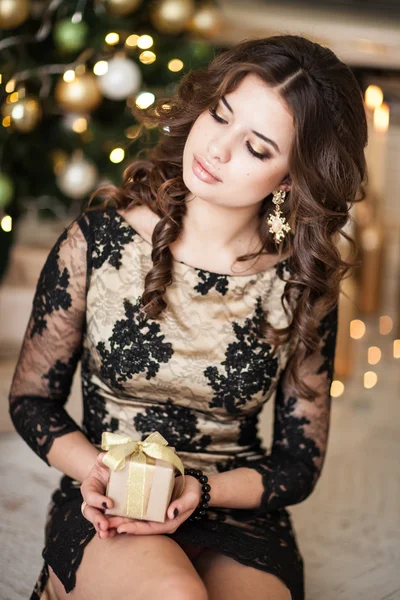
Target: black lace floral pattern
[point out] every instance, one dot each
(248, 435)
(327, 331)
(248, 368)
(67, 532)
(51, 292)
(290, 472)
(52, 346)
(39, 422)
(211, 280)
(178, 424)
(112, 233)
(136, 346)
(59, 375)
(96, 417)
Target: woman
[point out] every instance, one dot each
(208, 286)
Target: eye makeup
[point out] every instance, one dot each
(259, 155)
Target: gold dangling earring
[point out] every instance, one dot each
(278, 225)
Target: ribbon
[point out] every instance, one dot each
(121, 447)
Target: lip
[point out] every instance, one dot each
(203, 170)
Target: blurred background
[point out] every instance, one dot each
(70, 73)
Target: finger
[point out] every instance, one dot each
(115, 521)
(101, 464)
(93, 492)
(141, 528)
(95, 517)
(185, 503)
(151, 527)
(108, 534)
(98, 500)
(112, 532)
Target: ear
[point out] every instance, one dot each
(286, 184)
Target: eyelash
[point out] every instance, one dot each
(213, 113)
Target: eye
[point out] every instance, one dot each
(257, 154)
(213, 113)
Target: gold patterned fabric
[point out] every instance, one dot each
(200, 376)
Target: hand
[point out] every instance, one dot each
(93, 492)
(186, 505)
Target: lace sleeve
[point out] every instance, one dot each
(52, 344)
(292, 468)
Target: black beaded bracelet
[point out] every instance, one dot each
(202, 507)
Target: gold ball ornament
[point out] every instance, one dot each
(80, 95)
(172, 16)
(13, 13)
(206, 20)
(121, 7)
(24, 114)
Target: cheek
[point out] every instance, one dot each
(253, 182)
(195, 137)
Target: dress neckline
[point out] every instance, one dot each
(181, 264)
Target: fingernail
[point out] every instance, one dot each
(176, 513)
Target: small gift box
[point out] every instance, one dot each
(142, 475)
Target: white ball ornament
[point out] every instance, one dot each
(78, 178)
(122, 79)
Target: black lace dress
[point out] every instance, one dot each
(200, 377)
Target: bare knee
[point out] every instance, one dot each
(176, 587)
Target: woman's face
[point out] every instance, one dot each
(224, 143)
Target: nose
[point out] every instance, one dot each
(219, 148)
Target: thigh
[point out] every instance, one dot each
(227, 579)
(154, 566)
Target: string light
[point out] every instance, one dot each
(6, 223)
(175, 65)
(370, 379)
(374, 355)
(337, 388)
(385, 325)
(144, 42)
(381, 118)
(1, 78)
(145, 99)
(396, 349)
(6, 122)
(79, 125)
(132, 40)
(147, 57)
(112, 38)
(117, 155)
(14, 97)
(101, 67)
(373, 96)
(10, 86)
(357, 329)
(69, 75)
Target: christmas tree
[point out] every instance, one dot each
(70, 73)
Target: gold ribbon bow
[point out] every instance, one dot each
(120, 447)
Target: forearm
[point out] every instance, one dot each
(238, 488)
(73, 455)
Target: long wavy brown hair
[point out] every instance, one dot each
(326, 165)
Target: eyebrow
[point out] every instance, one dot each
(260, 135)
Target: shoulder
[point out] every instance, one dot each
(141, 218)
